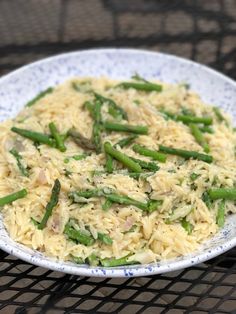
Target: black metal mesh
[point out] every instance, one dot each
(201, 30)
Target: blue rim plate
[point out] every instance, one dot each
(23, 84)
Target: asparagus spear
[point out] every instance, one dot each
(77, 259)
(95, 112)
(12, 197)
(113, 197)
(137, 129)
(39, 96)
(76, 195)
(51, 204)
(146, 165)
(154, 205)
(96, 133)
(168, 115)
(187, 225)
(85, 194)
(206, 199)
(90, 107)
(34, 221)
(78, 236)
(124, 159)
(104, 238)
(81, 140)
(24, 171)
(58, 139)
(109, 163)
(220, 218)
(206, 129)
(113, 262)
(193, 119)
(222, 193)
(199, 137)
(188, 118)
(150, 206)
(34, 136)
(145, 86)
(149, 153)
(126, 141)
(125, 200)
(122, 143)
(114, 110)
(92, 260)
(186, 153)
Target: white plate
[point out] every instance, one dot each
(22, 85)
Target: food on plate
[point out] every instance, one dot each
(113, 173)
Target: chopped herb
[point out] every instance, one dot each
(75, 157)
(107, 205)
(194, 176)
(187, 225)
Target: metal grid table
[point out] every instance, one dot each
(201, 30)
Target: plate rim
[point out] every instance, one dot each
(123, 271)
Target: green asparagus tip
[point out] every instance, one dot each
(51, 204)
(58, 138)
